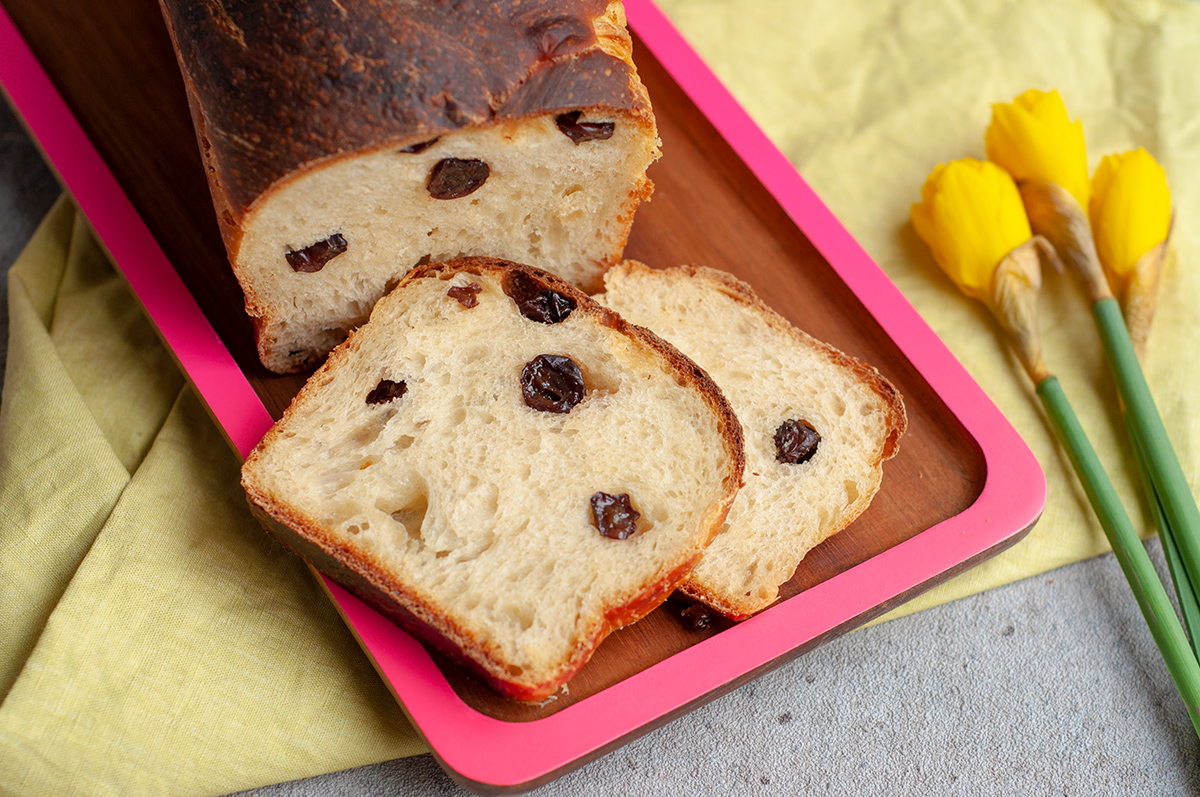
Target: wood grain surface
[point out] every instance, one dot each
(114, 66)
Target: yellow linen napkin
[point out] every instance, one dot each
(154, 639)
(865, 97)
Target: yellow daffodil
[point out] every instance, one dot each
(1032, 139)
(1130, 210)
(971, 216)
(1131, 222)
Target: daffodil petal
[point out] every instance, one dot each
(1032, 138)
(1130, 211)
(971, 216)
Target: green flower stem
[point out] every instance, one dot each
(1148, 432)
(1131, 555)
(1184, 588)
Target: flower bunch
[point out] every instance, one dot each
(987, 223)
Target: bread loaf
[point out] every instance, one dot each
(818, 425)
(503, 467)
(346, 141)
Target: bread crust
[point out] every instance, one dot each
(405, 605)
(277, 89)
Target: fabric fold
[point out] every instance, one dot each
(164, 644)
(59, 479)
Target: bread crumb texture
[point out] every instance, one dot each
(546, 201)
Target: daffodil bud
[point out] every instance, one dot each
(1055, 215)
(971, 216)
(1032, 139)
(1131, 223)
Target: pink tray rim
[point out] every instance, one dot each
(477, 748)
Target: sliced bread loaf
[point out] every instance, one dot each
(817, 423)
(346, 142)
(504, 467)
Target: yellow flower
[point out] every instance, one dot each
(1033, 139)
(1130, 211)
(971, 216)
(1131, 222)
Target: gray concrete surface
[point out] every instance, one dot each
(1051, 686)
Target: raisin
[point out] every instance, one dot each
(547, 307)
(580, 132)
(313, 257)
(697, 617)
(614, 516)
(795, 442)
(386, 391)
(451, 178)
(552, 383)
(419, 147)
(535, 301)
(465, 294)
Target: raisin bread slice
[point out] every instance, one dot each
(346, 142)
(503, 467)
(818, 425)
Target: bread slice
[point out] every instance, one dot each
(772, 373)
(346, 142)
(427, 468)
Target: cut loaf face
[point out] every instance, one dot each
(445, 464)
(347, 142)
(777, 378)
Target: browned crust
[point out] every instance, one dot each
(897, 420)
(277, 89)
(404, 605)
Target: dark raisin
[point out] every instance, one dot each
(795, 442)
(386, 391)
(535, 301)
(697, 617)
(451, 178)
(580, 132)
(419, 147)
(313, 257)
(552, 383)
(465, 294)
(548, 307)
(613, 515)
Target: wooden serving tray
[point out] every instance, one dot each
(963, 486)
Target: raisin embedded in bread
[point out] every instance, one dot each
(346, 142)
(502, 466)
(818, 425)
